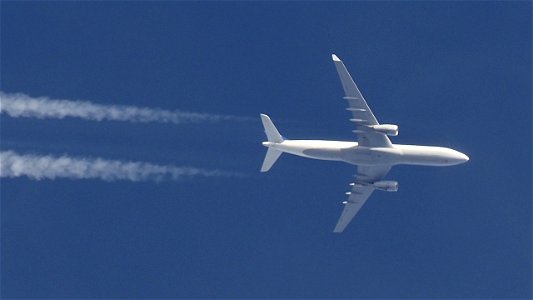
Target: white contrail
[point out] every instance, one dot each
(21, 105)
(40, 167)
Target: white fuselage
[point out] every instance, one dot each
(352, 153)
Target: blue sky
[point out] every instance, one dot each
(449, 74)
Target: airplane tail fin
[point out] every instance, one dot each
(273, 136)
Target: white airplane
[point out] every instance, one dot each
(373, 153)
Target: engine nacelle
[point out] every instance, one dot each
(386, 185)
(387, 129)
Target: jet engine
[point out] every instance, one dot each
(387, 129)
(386, 185)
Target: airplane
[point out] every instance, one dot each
(373, 153)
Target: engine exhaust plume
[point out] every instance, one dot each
(39, 167)
(21, 105)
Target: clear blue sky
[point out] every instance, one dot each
(454, 74)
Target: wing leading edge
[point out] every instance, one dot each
(362, 116)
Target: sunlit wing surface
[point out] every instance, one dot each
(361, 191)
(362, 116)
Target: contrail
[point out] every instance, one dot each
(40, 167)
(21, 105)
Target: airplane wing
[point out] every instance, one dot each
(361, 191)
(362, 116)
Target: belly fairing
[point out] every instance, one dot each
(372, 156)
(357, 155)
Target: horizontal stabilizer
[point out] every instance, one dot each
(271, 132)
(271, 157)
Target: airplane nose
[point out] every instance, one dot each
(456, 158)
(464, 158)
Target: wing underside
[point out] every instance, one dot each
(363, 119)
(362, 116)
(362, 188)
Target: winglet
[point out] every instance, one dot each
(334, 57)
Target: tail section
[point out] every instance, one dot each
(273, 136)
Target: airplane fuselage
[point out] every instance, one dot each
(352, 153)
(373, 153)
